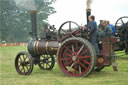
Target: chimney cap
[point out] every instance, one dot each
(33, 11)
(88, 10)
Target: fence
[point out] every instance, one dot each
(13, 44)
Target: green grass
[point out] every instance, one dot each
(9, 76)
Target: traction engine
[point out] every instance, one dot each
(75, 55)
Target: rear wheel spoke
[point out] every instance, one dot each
(71, 67)
(83, 66)
(75, 67)
(68, 63)
(80, 49)
(64, 59)
(84, 57)
(68, 54)
(84, 52)
(68, 49)
(85, 62)
(79, 69)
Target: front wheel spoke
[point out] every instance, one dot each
(23, 58)
(41, 62)
(68, 63)
(48, 57)
(27, 62)
(22, 68)
(42, 65)
(20, 59)
(68, 54)
(19, 66)
(48, 64)
(49, 61)
(27, 68)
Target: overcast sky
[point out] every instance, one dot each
(75, 10)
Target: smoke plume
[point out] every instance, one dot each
(88, 3)
(26, 4)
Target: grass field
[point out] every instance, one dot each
(9, 76)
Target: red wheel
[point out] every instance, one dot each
(76, 57)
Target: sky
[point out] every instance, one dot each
(75, 10)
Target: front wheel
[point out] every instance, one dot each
(47, 62)
(23, 63)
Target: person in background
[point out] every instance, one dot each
(112, 27)
(106, 32)
(93, 33)
(101, 26)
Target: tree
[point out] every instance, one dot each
(15, 23)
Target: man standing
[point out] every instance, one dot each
(92, 27)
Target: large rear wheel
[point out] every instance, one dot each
(76, 57)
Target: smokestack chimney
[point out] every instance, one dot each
(34, 28)
(88, 13)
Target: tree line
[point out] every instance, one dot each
(15, 23)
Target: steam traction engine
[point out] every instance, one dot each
(121, 26)
(76, 56)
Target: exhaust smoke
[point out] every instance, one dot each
(88, 3)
